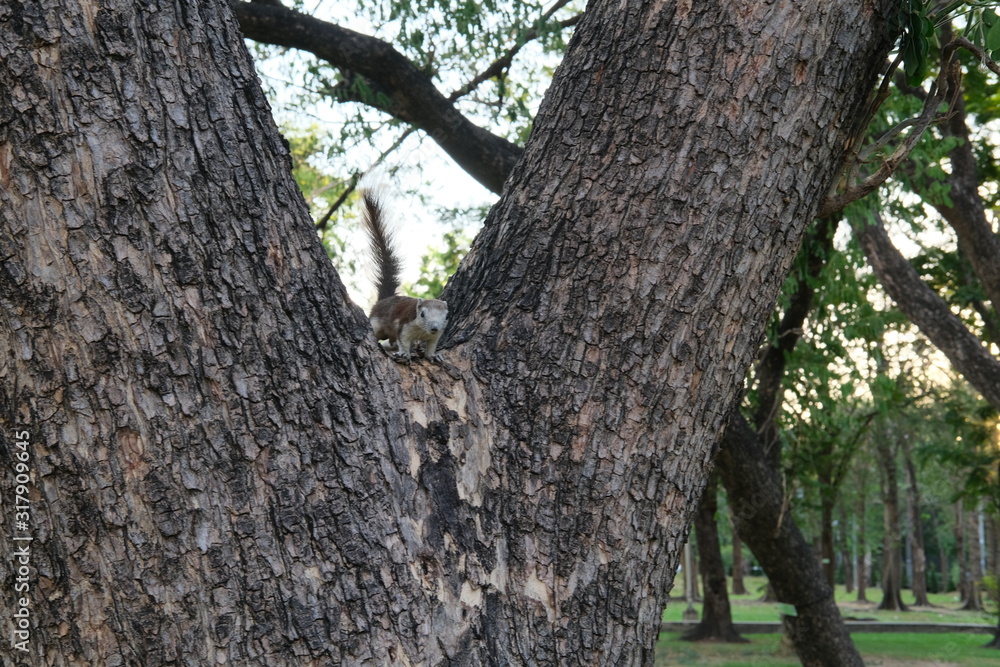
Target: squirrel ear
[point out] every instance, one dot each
(445, 303)
(419, 301)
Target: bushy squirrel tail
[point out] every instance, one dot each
(387, 263)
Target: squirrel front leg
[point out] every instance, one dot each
(431, 351)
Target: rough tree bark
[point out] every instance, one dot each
(225, 465)
(716, 618)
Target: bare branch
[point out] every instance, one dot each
(356, 178)
(978, 52)
(504, 61)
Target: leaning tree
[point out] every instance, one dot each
(221, 463)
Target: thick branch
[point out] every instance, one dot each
(771, 368)
(412, 95)
(929, 311)
(966, 214)
(944, 86)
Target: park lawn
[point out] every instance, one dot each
(749, 608)
(885, 650)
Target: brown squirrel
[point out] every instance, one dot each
(400, 319)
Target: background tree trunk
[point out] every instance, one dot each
(828, 498)
(716, 617)
(845, 549)
(739, 565)
(944, 586)
(916, 534)
(862, 546)
(961, 552)
(817, 631)
(973, 600)
(892, 565)
(227, 468)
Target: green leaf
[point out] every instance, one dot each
(993, 38)
(927, 28)
(915, 58)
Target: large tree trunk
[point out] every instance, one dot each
(892, 562)
(716, 618)
(916, 534)
(226, 468)
(817, 629)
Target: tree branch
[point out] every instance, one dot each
(965, 212)
(928, 311)
(770, 369)
(412, 95)
(945, 86)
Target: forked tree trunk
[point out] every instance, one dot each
(226, 468)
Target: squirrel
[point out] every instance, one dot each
(400, 319)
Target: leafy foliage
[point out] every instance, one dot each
(915, 43)
(439, 264)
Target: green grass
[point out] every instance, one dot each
(887, 650)
(749, 608)
(878, 649)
